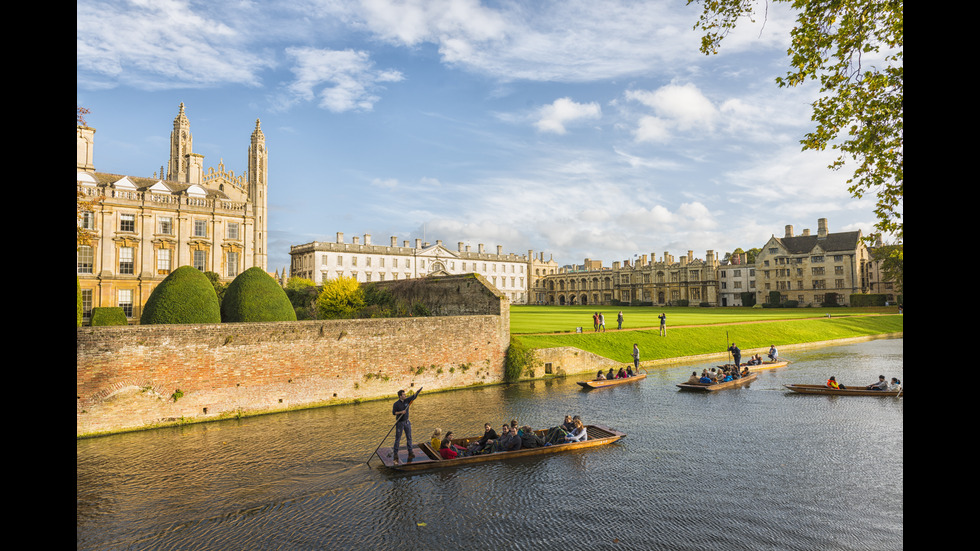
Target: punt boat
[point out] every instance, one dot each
(759, 367)
(597, 383)
(708, 387)
(827, 391)
(427, 458)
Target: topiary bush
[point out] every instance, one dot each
(255, 296)
(108, 315)
(185, 296)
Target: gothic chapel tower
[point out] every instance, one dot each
(258, 187)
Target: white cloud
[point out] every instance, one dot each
(554, 117)
(342, 80)
(681, 107)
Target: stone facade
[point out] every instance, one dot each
(734, 278)
(143, 228)
(663, 282)
(807, 268)
(513, 275)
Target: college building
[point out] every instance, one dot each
(140, 229)
(512, 274)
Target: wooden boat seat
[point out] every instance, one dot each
(431, 453)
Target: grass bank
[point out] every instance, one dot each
(551, 319)
(711, 339)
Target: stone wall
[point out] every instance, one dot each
(249, 368)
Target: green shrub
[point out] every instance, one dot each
(519, 359)
(340, 298)
(108, 315)
(185, 296)
(255, 296)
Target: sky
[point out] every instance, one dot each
(580, 129)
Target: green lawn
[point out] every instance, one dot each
(708, 330)
(555, 319)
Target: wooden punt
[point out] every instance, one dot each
(760, 367)
(428, 458)
(595, 383)
(705, 387)
(826, 391)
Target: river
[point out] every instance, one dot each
(750, 468)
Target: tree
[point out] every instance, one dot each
(254, 296)
(184, 296)
(340, 298)
(860, 112)
(892, 264)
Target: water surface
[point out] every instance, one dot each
(751, 468)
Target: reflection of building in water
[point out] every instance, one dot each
(511, 274)
(689, 281)
(144, 228)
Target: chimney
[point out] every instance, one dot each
(367, 239)
(86, 146)
(394, 241)
(789, 231)
(459, 246)
(500, 249)
(821, 228)
(418, 243)
(340, 237)
(806, 232)
(357, 240)
(480, 248)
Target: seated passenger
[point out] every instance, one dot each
(895, 385)
(745, 371)
(880, 385)
(436, 440)
(600, 376)
(727, 379)
(578, 434)
(705, 380)
(832, 383)
(694, 378)
(621, 374)
(514, 443)
(489, 435)
(610, 375)
(529, 439)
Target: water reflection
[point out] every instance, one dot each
(748, 468)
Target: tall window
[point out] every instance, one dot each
(232, 230)
(200, 228)
(126, 264)
(199, 260)
(86, 303)
(126, 301)
(163, 261)
(232, 262)
(86, 259)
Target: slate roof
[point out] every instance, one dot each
(144, 184)
(803, 244)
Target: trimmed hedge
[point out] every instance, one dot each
(108, 315)
(255, 296)
(185, 296)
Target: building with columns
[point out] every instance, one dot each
(688, 280)
(145, 227)
(511, 274)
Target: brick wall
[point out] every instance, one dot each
(260, 367)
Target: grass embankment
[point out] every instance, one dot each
(706, 333)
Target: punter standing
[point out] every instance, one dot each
(636, 357)
(736, 353)
(403, 424)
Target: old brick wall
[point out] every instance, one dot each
(261, 367)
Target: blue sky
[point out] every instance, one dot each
(581, 129)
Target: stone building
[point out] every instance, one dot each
(511, 274)
(143, 228)
(810, 268)
(735, 277)
(665, 282)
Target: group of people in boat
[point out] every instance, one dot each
(720, 374)
(510, 438)
(621, 374)
(882, 384)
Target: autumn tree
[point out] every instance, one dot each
(854, 49)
